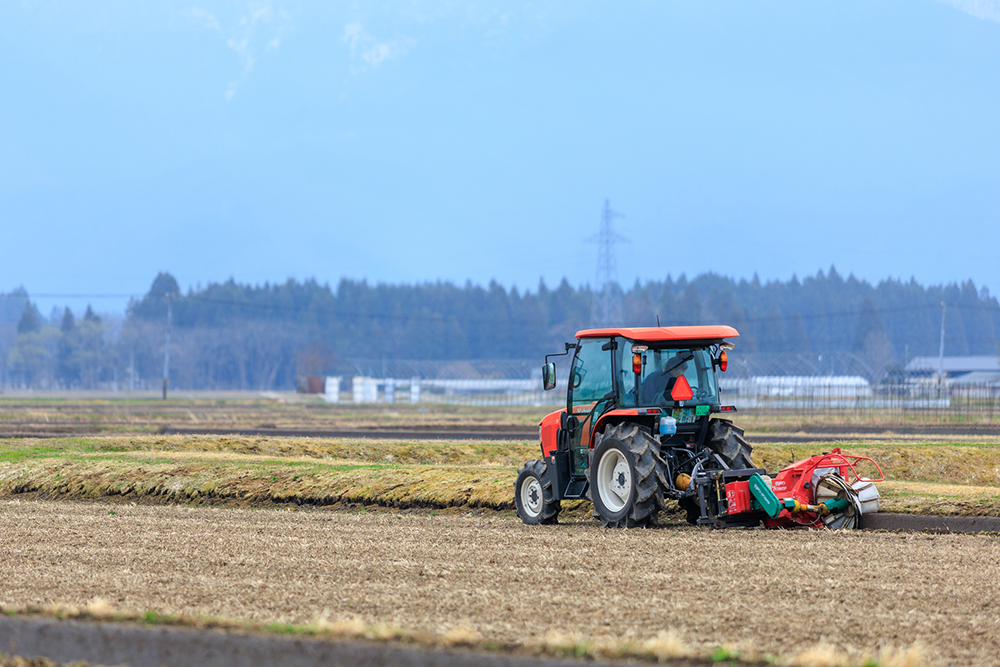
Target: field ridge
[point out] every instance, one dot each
(946, 479)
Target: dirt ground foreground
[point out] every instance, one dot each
(489, 576)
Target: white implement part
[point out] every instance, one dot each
(868, 495)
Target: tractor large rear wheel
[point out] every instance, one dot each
(727, 440)
(623, 478)
(534, 494)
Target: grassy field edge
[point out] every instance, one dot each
(944, 479)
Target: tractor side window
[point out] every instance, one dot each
(590, 379)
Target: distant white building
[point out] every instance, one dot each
(957, 370)
(800, 386)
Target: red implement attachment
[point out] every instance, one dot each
(799, 481)
(738, 498)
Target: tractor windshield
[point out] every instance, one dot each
(661, 373)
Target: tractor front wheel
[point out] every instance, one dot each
(623, 479)
(534, 495)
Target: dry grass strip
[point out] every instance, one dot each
(935, 479)
(18, 661)
(806, 597)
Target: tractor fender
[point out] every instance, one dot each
(611, 417)
(548, 431)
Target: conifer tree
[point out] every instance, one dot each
(31, 320)
(67, 366)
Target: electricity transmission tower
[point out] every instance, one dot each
(606, 309)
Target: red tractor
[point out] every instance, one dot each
(640, 428)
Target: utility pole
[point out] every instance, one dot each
(166, 348)
(606, 308)
(944, 308)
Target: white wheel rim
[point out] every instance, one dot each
(614, 480)
(531, 497)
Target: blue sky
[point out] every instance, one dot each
(416, 141)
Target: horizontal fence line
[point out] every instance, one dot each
(813, 398)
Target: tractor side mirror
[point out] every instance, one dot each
(549, 376)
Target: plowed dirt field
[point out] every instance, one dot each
(492, 578)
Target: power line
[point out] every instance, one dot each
(846, 313)
(880, 311)
(73, 296)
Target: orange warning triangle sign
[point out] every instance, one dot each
(682, 390)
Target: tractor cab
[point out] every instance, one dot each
(663, 379)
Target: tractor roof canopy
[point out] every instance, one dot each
(656, 334)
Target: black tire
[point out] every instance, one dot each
(618, 446)
(727, 440)
(535, 496)
(692, 511)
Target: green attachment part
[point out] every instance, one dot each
(762, 492)
(837, 505)
(701, 410)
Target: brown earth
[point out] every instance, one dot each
(21, 417)
(492, 579)
(73, 414)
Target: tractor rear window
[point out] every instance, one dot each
(661, 370)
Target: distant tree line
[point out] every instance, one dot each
(56, 352)
(235, 336)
